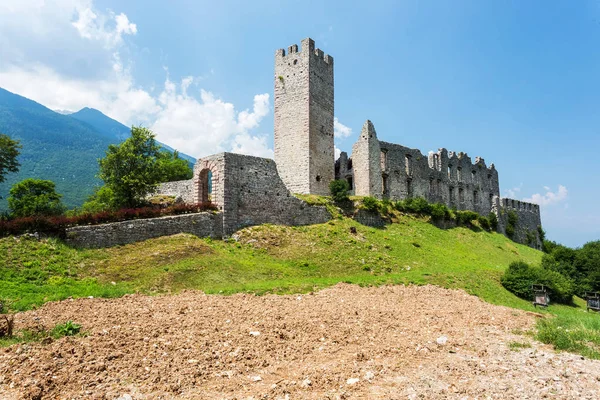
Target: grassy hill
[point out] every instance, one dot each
(62, 148)
(277, 259)
(267, 259)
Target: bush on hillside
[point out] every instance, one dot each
(339, 190)
(370, 204)
(493, 221)
(484, 222)
(417, 205)
(465, 217)
(513, 218)
(440, 212)
(520, 276)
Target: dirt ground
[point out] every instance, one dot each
(346, 342)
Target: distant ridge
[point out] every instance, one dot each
(113, 129)
(61, 148)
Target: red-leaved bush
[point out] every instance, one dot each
(56, 226)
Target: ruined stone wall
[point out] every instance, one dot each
(526, 229)
(183, 190)
(254, 194)
(248, 191)
(120, 233)
(303, 118)
(366, 161)
(343, 170)
(395, 172)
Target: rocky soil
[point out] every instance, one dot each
(345, 342)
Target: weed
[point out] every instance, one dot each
(515, 346)
(67, 329)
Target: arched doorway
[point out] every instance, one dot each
(205, 186)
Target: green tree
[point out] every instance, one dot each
(339, 190)
(172, 168)
(130, 169)
(587, 265)
(102, 199)
(9, 150)
(32, 197)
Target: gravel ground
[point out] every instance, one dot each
(346, 342)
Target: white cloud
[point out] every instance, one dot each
(105, 27)
(208, 126)
(513, 193)
(249, 120)
(337, 152)
(340, 130)
(252, 145)
(67, 54)
(115, 94)
(549, 197)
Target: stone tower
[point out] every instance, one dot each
(366, 158)
(304, 150)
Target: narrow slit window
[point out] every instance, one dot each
(384, 160)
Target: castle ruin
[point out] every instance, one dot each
(252, 190)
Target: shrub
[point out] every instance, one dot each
(484, 222)
(493, 221)
(67, 329)
(520, 276)
(541, 233)
(530, 237)
(370, 204)
(465, 217)
(416, 205)
(510, 231)
(339, 190)
(439, 212)
(511, 224)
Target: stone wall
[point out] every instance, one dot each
(248, 191)
(253, 194)
(303, 118)
(179, 189)
(392, 171)
(529, 221)
(119, 233)
(366, 161)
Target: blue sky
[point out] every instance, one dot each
(515, 82)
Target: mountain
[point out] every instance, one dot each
(103, 124)
(62, 148)
(113, 129)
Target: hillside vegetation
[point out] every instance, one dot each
(266, 259)
(278, 259)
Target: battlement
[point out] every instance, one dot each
(307, 48)
(518, 205)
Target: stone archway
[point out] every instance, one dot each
(205, 185)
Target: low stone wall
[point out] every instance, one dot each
(119, 233)
(369, 218)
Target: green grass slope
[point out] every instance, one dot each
(266, 259)
(277, 259)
